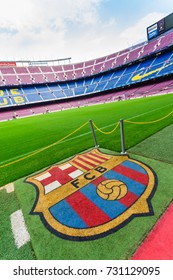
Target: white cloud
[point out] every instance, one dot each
(137, 33)
(41, 27)
(52, 29)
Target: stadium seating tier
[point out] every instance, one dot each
(20, 85)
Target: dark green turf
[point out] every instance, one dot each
(8, 251)
(119, 245)
(24, 136)
(159, 146)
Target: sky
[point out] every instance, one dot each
(80, 29)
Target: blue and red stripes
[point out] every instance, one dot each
(85, 209)
(89, 212)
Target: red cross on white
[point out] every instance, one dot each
(58, 176)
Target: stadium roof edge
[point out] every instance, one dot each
(34, 62)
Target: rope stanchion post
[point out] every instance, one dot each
(93, 133)
(122, 137)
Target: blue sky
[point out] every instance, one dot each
(81, 29)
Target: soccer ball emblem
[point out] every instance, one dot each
(112, 189)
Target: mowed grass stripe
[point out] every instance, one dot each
(23, 136)
(103, 127)
(80, 135)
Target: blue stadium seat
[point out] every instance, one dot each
(59, 94)
(34, 98)
(79, 90)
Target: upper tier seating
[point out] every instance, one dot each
(10, 76)
(151, 68)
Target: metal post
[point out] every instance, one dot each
(122, 137)
(93, 133)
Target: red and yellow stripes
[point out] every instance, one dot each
(89, 161)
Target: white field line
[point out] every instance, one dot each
(9, 188)
(20, 232)
(86, 133)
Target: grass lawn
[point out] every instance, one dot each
(153, 147)
(25, 136)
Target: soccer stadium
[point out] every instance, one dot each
(87, 154)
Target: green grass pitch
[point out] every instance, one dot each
(144, 142)
(21, 137)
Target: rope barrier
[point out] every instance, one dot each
(45, 148)
(110, 132)
(73, 132)
(150, 121)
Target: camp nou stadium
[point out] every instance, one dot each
(86, 157)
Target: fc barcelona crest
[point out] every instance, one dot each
(93, 194)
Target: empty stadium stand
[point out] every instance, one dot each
(134, 72)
